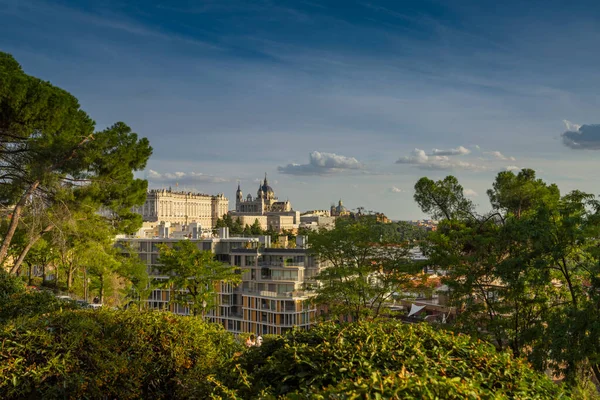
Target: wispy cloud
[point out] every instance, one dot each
(183, 178)
(512, 168)
(322, 164)
(581, 137)
(395, 189)
(422, 160)
(470, 193)
(460, 150)
(499, 156)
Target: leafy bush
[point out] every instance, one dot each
(384, 360)
(115, 354)
(111, 354)
(9, 285)
(17, 301)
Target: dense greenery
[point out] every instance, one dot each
(111, 354)
(18, 301)
(194, 275)
(386, 358)
(524, 275)
(364, 268)
(65, 189)
(126, 355)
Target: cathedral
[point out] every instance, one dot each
(266, 208)
(264, 202)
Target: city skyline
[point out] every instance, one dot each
(355, 102)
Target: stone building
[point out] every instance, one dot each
(266, 208)
(340, 210)
(164, 205)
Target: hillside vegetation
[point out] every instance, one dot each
(130, 354)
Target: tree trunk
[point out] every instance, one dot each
(69, 278)
(14, 221)
(28, 247)
(596, 371)
(101, 294)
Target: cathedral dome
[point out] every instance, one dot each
(266, 189)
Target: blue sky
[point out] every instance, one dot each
(333, 99)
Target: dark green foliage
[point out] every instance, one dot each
(443, 199)
(102, 354)
(111, 354)
(17, 301)
(56, 169)
(389, 359)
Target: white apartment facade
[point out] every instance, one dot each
(272, 297)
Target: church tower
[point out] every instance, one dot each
(239, 197)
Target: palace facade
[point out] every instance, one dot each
(164, 205)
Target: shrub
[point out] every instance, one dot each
(384, 360)
(111, 354)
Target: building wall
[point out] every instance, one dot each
(183, 207)
(248, 219)
(279, 222)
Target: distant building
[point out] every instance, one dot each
(340, 210)
(266, 208)
(164, 205)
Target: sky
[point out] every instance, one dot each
(353, 100)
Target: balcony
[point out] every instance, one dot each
(278, 278)
(266, 293)
(280, 264)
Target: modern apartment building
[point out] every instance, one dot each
(273, 293)
(165, 205)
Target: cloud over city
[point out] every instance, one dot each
(322, 164)
(581, 137)
(460, 150)
(499, 156)
(182, 178)
(422, 160)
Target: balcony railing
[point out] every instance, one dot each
(266, 293)
(280, 264)
(277, 278)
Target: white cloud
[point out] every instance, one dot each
(460, 150)
(395, 189)
(499, 156)
(421, 160)
(322, 164)
(470, 193)
(183, 178)
(512, 168)
(571, 126)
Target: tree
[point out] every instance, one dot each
(525, 274)
(50, 153)
(362, 269)
(256, 228)
(443, 199)
(194, 275)
(236, 226)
